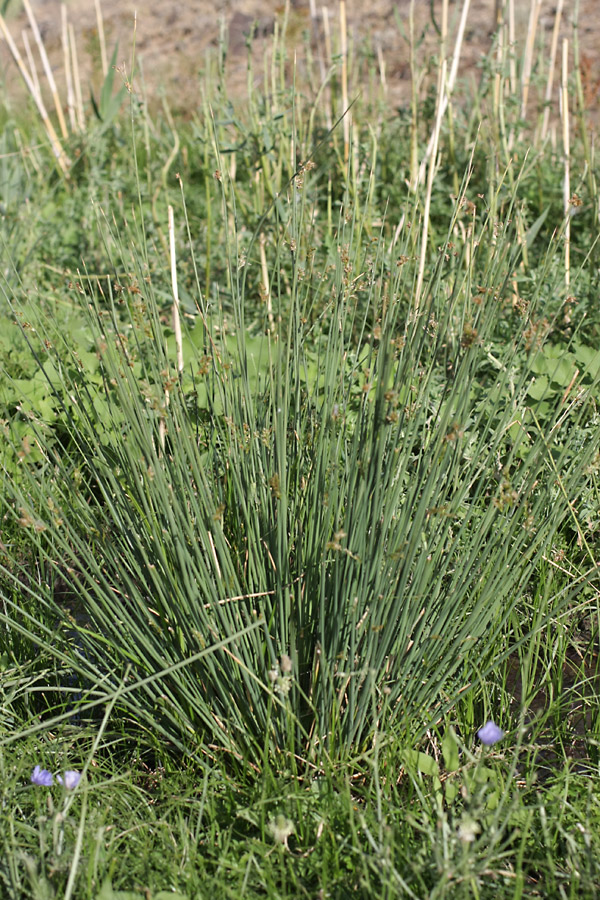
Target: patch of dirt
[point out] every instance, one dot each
(172, 39)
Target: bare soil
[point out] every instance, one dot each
(172, 39)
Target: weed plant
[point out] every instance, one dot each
(299, 491)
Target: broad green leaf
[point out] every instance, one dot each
(589, 359)
(108, 106)
(451, 790)
(532, 232)
(560, 369)
(170, 895)
(539, 388)
(450, 751)
(107, 893)
(422, 762)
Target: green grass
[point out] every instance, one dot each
(262, 585)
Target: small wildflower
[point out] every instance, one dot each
(281, 828)
(41, 777)
(468, 829)
(283, 685)
(286, 664)
(71, 779)
(490, 734)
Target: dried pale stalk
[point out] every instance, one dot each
(570, 387)
(101, 38)
(176, 317)
(344, 53)
(414, 107)
(31, 61)
(318, 40)
(265, 278)
(76, 80)
(564, 113)
(162, 426)
(580, 112)
(67, 64)
(534, 13)
(441, 106)
(47, 68)
(28, 153)
(498, 80)
(381, 63)
(214, 553)
(550, 81)
(447, 91)
(327, 39)
(512, 64)
(444, 28)
(61, 157)
(512, 43)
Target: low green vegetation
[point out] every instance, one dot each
(300, 490)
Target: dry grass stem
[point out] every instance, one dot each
(441, 107)
(31, 61)
(328, 62)
(101, 38)
(414, 118)
(534, 13)
(344, 53)
(498, 78)
(176, 316)
(552, 64)
(444, 29)
(447, 91)
(47, 68)
(61, 157)
(564, 112)
(512, 65)
(67, 65)
(266, 290)
(381, 64)
(76, 80)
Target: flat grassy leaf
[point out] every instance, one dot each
(422, 762)
(107, 893)
(450, 751)
(170, 895)
(588, 359)
(539, 388)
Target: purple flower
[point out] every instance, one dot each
(71, 779)
(490, 733)
(41, 777)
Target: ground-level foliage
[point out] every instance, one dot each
(300, 488)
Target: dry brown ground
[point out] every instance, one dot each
(172, 38)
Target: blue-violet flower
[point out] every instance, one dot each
(490, 733)
(71, 779)
(41, 777)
